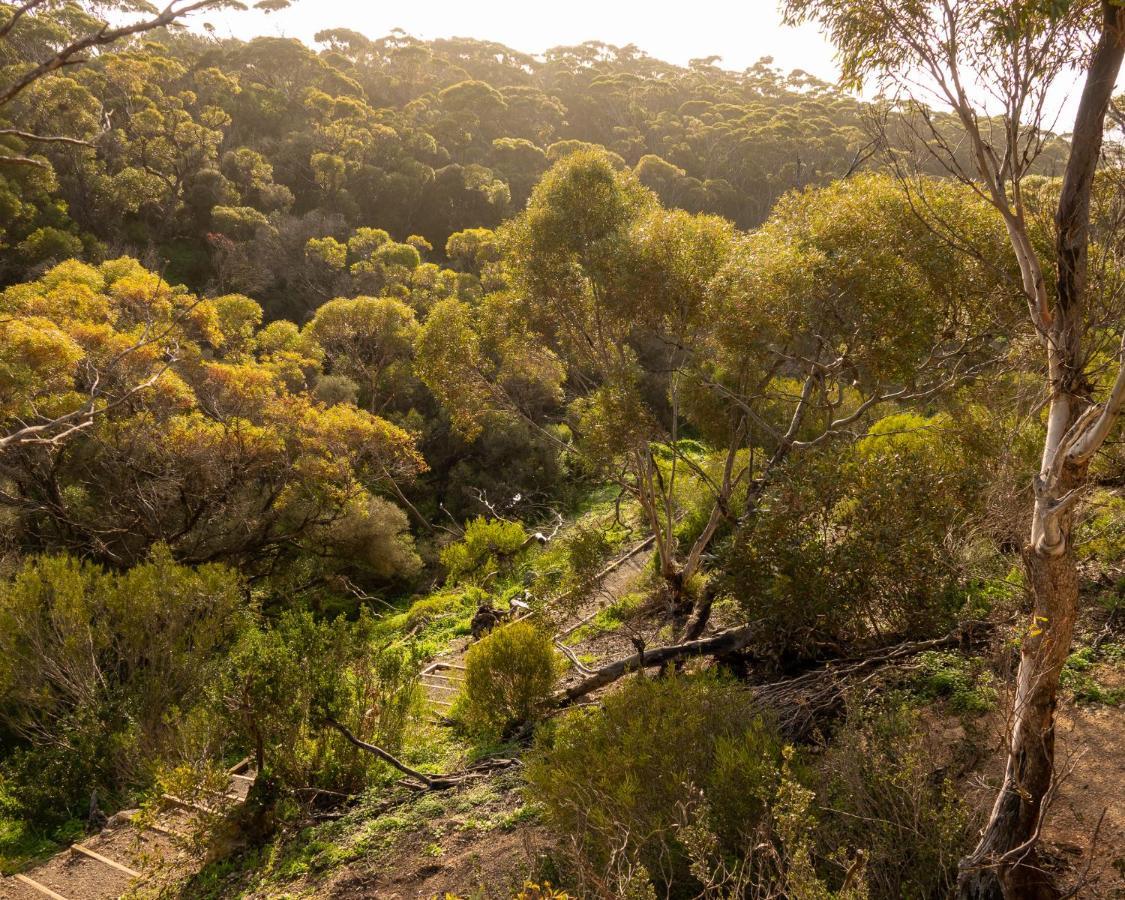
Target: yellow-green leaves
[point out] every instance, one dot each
(205, 434)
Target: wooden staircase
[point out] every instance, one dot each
(123, 854)
(442, 681)
(443, 678)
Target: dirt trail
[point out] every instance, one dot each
(1091, 762)
(120, 856)
(443, 677)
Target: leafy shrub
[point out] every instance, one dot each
(965, 682)
(509, 678)
(282, 684)
(615, 780)
(882, 789)
(94, 667)
(1101, 535)
(861, 540)
(432, 621)
(486, 546)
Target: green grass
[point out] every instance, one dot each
(611, 618)
(22, 845)
(963, 682)
(1079, 674)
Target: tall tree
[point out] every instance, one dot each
(994, 64)
(75, 33)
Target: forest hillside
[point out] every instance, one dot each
(429, 469)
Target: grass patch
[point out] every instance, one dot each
(963, 682)
(611, 618)
(22, 845)
(1079, 674)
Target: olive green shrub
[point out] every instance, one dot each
(96, 668)
(884, 785)
(509, 678)
(282, 685)
(619, 781)
(863, 540)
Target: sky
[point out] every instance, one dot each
(740, 31)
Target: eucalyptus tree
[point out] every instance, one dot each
(39, 41)
(617, 287)
(186, 425)
(674, 326)
(841, 307)
(41, 38)
(994, 65)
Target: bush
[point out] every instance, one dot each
(509, 678)
(883, 789)
(966, 683)
(615, 781)
(281, 685)
(488, 545)
(94, 667)
(862, 540)
(1101, 534)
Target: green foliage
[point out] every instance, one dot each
(221, 451)
(328, 251)
(1101, 534)
(49, 245)
(1080, 674)
(863, 538)
(882, 789)
(431, 622)
(238, 221)
(280, 684)
(964, 681)
(487, 546)
(96, 666)
(509, 678)
(615, 779)
(21, 842)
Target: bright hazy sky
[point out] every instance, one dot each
(740, 31)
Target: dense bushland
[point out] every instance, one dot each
(426, 333)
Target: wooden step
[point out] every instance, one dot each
(12, 888)
(446, 678)
(105, 860)
(241, 765)
(80, 877)
(41, 889)
(134, 846)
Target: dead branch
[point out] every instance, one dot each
(724, 642)
(798, 701)
(421, 781)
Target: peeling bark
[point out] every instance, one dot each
(1004, 866)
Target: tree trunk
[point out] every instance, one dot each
(1003, 866)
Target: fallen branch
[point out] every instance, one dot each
(421, 780)
(574, 660)
(723, 642)
(798, 702)
(801, 699)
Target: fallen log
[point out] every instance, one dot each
(800, 698)
(423, 781)
(723, 642)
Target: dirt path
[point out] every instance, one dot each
(123, 854)
(442, 678)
